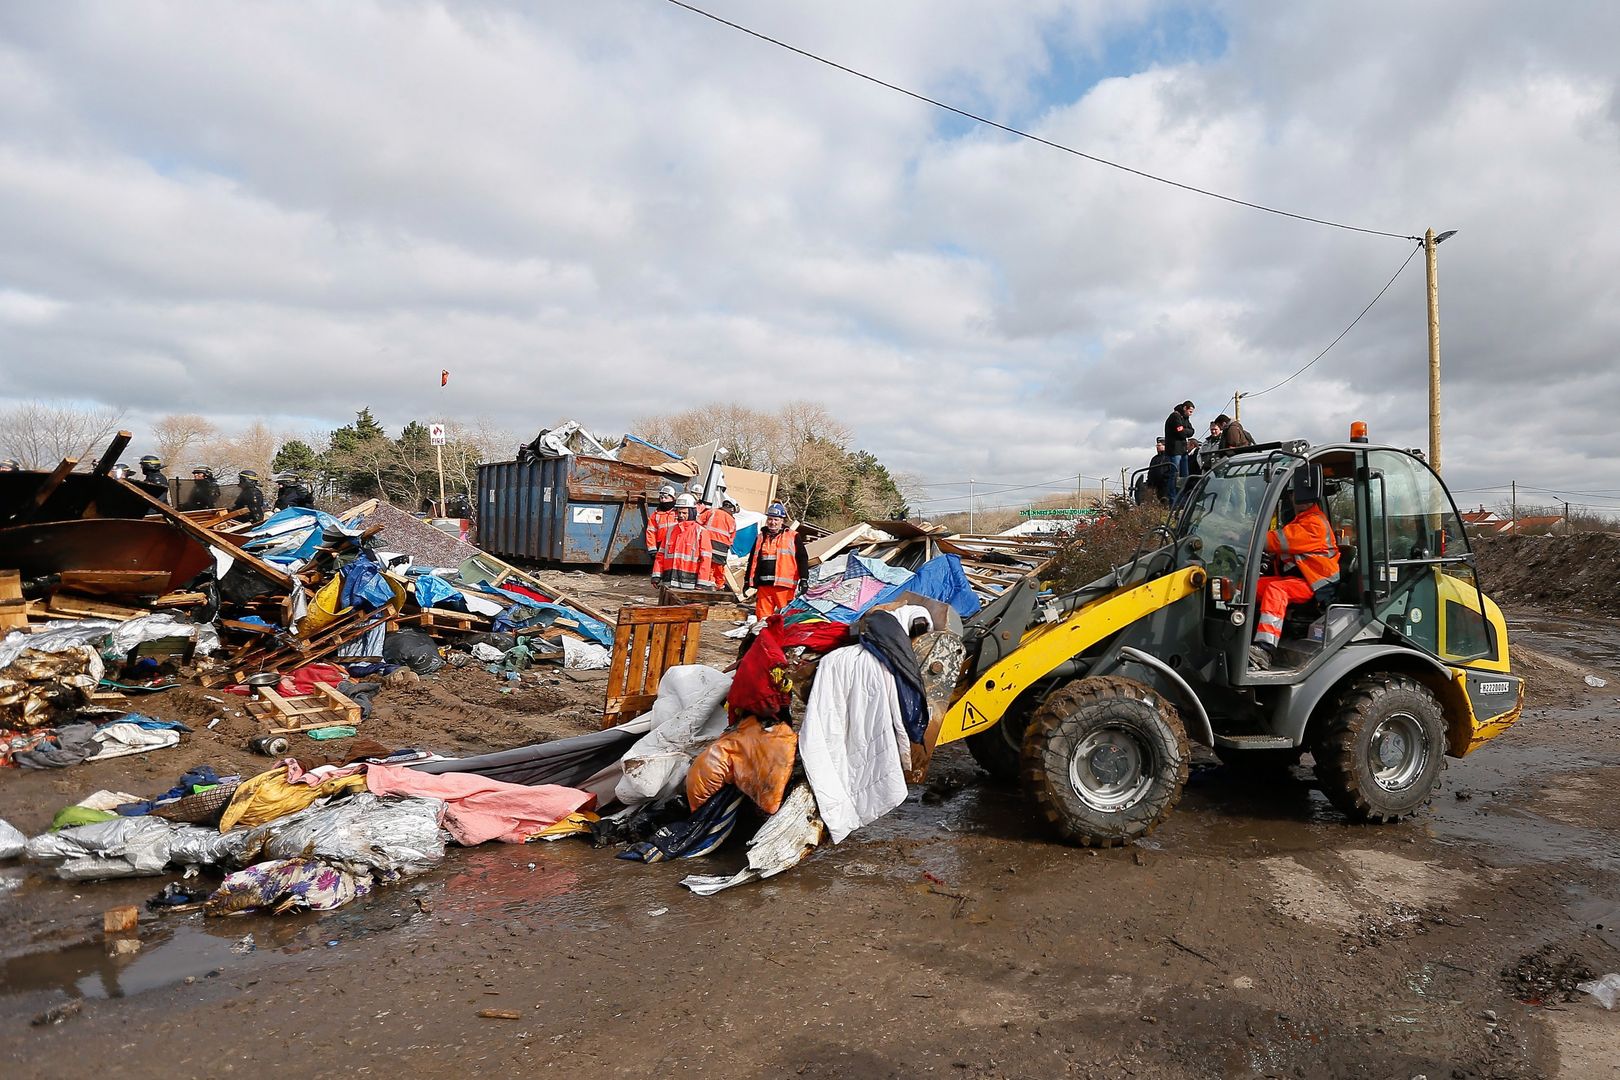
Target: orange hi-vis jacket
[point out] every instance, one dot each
(1306, 544)
(658, 523)
(775, 560)
(684, 558)
(722, 532)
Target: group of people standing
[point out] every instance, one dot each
(689, 542)
(1179, 455)
(205, 494)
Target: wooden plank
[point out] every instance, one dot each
(674, 614)
(694, 638)
(274, 574)
(46, 489)
(114, 451)
(101, 582)
(180, 599)
(86, 608)
(657, 645)
(13, 607)
(341, 702)
(674, 648)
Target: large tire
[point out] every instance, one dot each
(999, 751)
(1104, 761)
(1380, 753)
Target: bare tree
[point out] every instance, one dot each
(254, 447)
(177, 433)
(41, 433)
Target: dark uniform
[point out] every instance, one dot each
(152, 480)
(293, 493)
(204, 492)
(249, 496)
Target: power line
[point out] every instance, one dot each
(1410, 256)
(1026, 135)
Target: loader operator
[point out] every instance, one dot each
(1305, 558)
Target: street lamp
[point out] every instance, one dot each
(1430, 242)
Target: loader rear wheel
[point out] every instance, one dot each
(1380, 754)
(1104, 761)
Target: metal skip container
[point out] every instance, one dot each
(569, 510)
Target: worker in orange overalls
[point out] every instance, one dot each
(684, 557)
(658, 523)
(722, 526)
(1306, 559)
(778, 567)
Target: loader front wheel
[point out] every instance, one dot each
(999, 751)
(1380, 754)
(1104, 761)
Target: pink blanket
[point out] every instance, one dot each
(478, 809)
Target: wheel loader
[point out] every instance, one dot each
(1089, 699)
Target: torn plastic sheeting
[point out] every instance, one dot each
(123, 847)
(516, 616)
(431, 590)
(40, 689)
(394, 837)
(784, 841)
(12, 841)
(137, 631)
(282, 885)
(570, 437)
(688, 713)
(53, 637)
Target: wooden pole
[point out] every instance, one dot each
(1515, 502)
(438, 454)
(1434, 349)
(970, 504)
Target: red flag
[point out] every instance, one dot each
(444, 377)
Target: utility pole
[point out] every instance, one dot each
(1237, 405)
(1566, 517)
(970, 505)
(1430, 243)
(1515, 501)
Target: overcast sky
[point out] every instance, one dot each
(603, 210)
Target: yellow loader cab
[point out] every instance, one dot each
(1090, 698)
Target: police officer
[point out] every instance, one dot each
(290, 491)
(204, 491)
(249, 496)
(152, 480)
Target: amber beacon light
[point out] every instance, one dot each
(1358, 431)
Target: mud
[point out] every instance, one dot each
(1256, 934)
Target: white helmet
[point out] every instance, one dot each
(666, 491)
(685, 502)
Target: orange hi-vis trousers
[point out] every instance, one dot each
(1275, 594)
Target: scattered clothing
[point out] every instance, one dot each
(761, 685)
(783, 842)
(881, 634)
(853, 743)
(282, 885)
(58, 748)
(700, 834)
(71, 817)
(123, 738)
(688, 713)
(268, 796)
(478, 809)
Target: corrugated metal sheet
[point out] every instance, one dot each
(576, 510)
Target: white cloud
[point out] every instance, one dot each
(607, 210)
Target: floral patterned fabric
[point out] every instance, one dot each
(287, 885)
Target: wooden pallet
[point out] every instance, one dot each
(647, 641)
(324, 708)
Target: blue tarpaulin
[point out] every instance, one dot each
(527, 611)
(364, 585)
(293, 534)
(432, 589)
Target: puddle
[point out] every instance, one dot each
(89, 970)
(1594, 642)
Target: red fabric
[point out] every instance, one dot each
(1275, 594)
(761, 686)
(817, 637)
(524, 590)
(300, 682)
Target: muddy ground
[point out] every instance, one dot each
(1256, 934)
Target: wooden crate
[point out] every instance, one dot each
(648, 641)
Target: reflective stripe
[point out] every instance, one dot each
(1266, 635)
(1271, 621)
(1282, 541)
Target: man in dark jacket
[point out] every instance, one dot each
(204, 491)
(1178, 428)
(1233, 435)
(290, 491)
(249, 496)
(1160, 473)
(152, 480)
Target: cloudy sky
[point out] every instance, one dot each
(603, 210)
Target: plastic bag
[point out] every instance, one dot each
(584, 656)
(757, 759)
(394, 837)
(12, 841)
(414, 649)
(689, 712)
(1606, 990)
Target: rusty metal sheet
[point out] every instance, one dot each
(104, 544)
